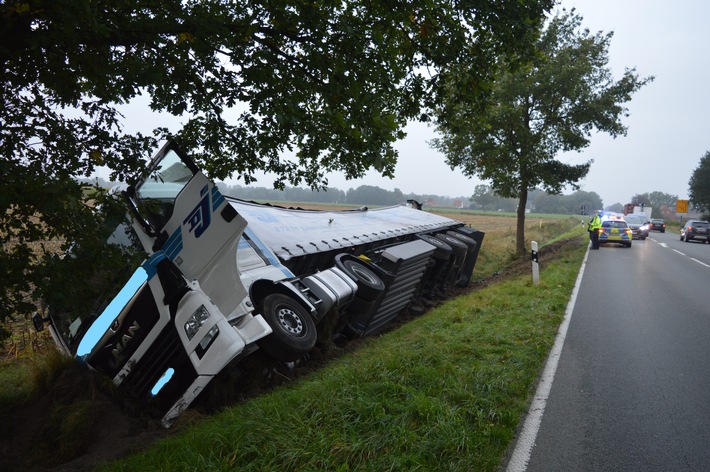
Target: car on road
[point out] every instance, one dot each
(638, 224)
(615, 231)
(657, 224)
(697, 230)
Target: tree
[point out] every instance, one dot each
(616, 207)
(487, 199)
(658, 199)
(581, 199)
(640, 199)
(330, 83)
(540, 104)
(568, 204)
(483, 196)
(699, 185)
(655, 200)
(371, 195)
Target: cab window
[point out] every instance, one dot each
(157, 193)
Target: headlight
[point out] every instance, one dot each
(195, 322)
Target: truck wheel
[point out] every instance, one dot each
(294, 330)
(369, 285)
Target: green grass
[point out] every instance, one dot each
(443, 392)
(498, 249)
(23, 379)
(503, 214)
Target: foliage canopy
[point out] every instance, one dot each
(328, 84)
(540, 104)
(699, 185)
(655, 200)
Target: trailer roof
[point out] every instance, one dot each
(293, 232)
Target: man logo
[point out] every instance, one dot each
(199, 218)
(125, 339)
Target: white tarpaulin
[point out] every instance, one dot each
(293, 232)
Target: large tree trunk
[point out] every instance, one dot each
(520, 231)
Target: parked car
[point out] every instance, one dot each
(615, 231)
(657, 224)
(638, 224)
(695, 230)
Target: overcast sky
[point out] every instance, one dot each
(667, 127)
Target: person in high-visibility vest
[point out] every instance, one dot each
(594, 225)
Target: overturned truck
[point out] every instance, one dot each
(223, 278)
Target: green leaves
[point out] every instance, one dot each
(295, 88)
(699, 184)
(546, 100)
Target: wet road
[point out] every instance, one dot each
(632, 386)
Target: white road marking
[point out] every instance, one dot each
(683, 254)
(526, 440)
(699, 262)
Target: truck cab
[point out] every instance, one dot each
(206, 280)
(178, 319)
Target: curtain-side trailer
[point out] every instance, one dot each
(223, 277)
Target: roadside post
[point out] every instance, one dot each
(535, 263)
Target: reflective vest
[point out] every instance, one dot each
(595, 223)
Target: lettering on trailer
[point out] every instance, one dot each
(199, 218)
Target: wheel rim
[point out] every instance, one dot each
(289, 320)
(365, 276)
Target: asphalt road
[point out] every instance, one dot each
(632, 387)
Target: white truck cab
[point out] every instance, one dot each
(222, 278)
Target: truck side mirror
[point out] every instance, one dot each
(38, 321)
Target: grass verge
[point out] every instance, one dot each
(443, 392)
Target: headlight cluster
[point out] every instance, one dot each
(195, 322)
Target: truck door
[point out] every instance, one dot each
(185, 216)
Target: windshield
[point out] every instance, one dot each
(157, 193)
(636, 220)
(92, 276)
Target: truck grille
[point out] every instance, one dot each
(167, 352)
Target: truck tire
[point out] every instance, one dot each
(294, 331)
(442, 251)
(369, 285)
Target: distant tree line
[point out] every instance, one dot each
(484, 198)
(362, 195)
(579, 202)
(655, 200)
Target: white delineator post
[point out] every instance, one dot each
(535, 264)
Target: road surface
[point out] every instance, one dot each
(632, 387)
